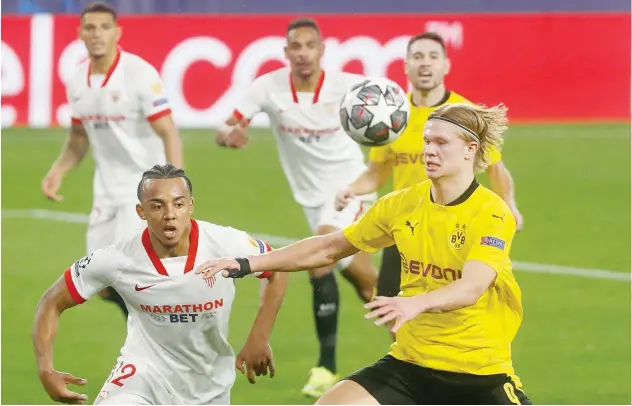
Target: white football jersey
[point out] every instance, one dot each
(317, 156)
(116, 110)
(178, 322)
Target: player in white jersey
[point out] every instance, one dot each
(176, 351)
(119, 109)
(318, 157)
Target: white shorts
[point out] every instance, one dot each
(133, 382)
(108, 225)
(327, 215)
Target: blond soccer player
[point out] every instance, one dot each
(460, 306)
(427, 65)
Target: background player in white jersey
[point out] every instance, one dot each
(319, 159)
(119, 109)
(176, 351)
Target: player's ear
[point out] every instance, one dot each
(321, 51)
(285, 48)
(191, 206)
(140, 211)
(447, 67)
(119, 33)
(471, 149)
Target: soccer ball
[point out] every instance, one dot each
(374, 111)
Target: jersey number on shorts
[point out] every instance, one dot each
(126, 371)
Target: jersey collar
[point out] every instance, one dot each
(193, 247)
(319, 86)
(117, 58)
(466, 195)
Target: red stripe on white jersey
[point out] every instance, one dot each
(158, 115)
(72, 289)
(265, 274)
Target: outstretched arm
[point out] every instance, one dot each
(312, 252)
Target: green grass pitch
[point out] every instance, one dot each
(573, 186)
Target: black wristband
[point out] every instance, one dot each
(244, 269)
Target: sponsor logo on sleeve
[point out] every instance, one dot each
(493, 242)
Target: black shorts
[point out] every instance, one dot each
(388, 280)
(394, 382)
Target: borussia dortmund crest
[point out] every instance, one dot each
(458, 236)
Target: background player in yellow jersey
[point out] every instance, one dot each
(426, 66)
(460, 306)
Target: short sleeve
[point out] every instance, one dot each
(493, 231)
(254, 100)
(91, 274)
(380, 154)
(243, 245)
(151, 94)
(373, 230)
(72, 105)
(494, 155)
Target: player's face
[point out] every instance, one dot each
(99, 32)
(426, 64)
(167, 206)
(304, 50)
(445, 152)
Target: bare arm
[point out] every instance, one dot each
(476, 279)
(312, 252)
(73, 151)
(54, 301)
(168, 132)
(272, 294)
(373, 178)
(503, 185)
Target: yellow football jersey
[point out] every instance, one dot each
(406, 153)
(435, 241)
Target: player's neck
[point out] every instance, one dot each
(448, 189)
(180, 249)
(306, 83)
(101, 65)
(428, 98)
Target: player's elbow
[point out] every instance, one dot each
(471, 297)
(278, 280)
(473, 290)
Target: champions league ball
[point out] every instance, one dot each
(374, 111)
